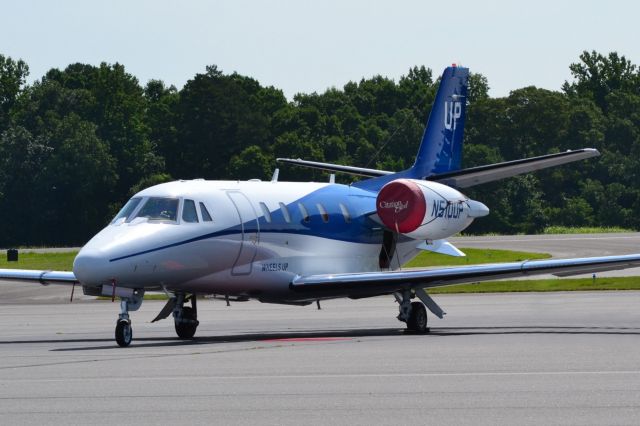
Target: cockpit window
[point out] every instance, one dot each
(157, 208)
(189, 214)
(128, 208)
(206, 217)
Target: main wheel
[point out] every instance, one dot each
(124, 333)
(187, 329)
(418, 318)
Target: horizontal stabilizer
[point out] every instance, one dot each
(360, 171)
(483, 174)
(442, 247)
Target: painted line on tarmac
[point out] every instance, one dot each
(337, 376)
(308, 339)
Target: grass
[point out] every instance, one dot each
(473, 257)
(584, 230)
(479, 256)
(42, 261)
(64, 262)
(553, 284)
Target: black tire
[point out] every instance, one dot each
(418, 318)
(124, 333)
(187, 329)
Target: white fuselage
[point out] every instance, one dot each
(261, 235)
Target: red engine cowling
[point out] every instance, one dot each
(401, 205)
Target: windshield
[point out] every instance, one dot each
(157, 208)
(128, 208)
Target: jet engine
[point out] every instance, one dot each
(426, 210)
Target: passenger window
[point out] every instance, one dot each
(323, 213)
(285, 213)
(189, 214)
(303, 211)
(159, 208)
(345, 213)
(266, 212)
(206, 217)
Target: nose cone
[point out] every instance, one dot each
(91, 267)
(477, 209)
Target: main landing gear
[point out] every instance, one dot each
(415, 313)
(185, 317)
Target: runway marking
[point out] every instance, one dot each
(340, 376)
(308, 339)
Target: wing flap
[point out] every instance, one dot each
(376, 283)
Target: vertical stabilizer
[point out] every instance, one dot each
(441, 147)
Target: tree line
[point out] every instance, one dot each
(75, 144)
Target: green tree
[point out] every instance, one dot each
(217, 118)
(13, 75)
(597, 75)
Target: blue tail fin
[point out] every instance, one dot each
(441, 147)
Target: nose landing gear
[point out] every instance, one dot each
(124, 332)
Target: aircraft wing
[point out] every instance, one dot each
(40, 277)
(478, 175)
(377, 283)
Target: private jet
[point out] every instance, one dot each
(299, 243)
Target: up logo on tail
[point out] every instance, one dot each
(452, 112)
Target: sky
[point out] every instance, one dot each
(307, 46)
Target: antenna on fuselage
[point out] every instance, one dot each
(274, 177)
(332, 178)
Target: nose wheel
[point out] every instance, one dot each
(124, 333)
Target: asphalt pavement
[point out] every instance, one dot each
(502, 359)
(496, 359)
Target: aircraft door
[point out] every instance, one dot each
(250, 233)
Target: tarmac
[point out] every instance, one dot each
(501, 359)
(495, 359)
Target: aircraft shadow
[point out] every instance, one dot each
(320, 336)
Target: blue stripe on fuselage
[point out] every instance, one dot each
(361, 229)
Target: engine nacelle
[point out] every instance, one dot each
(425, 210)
